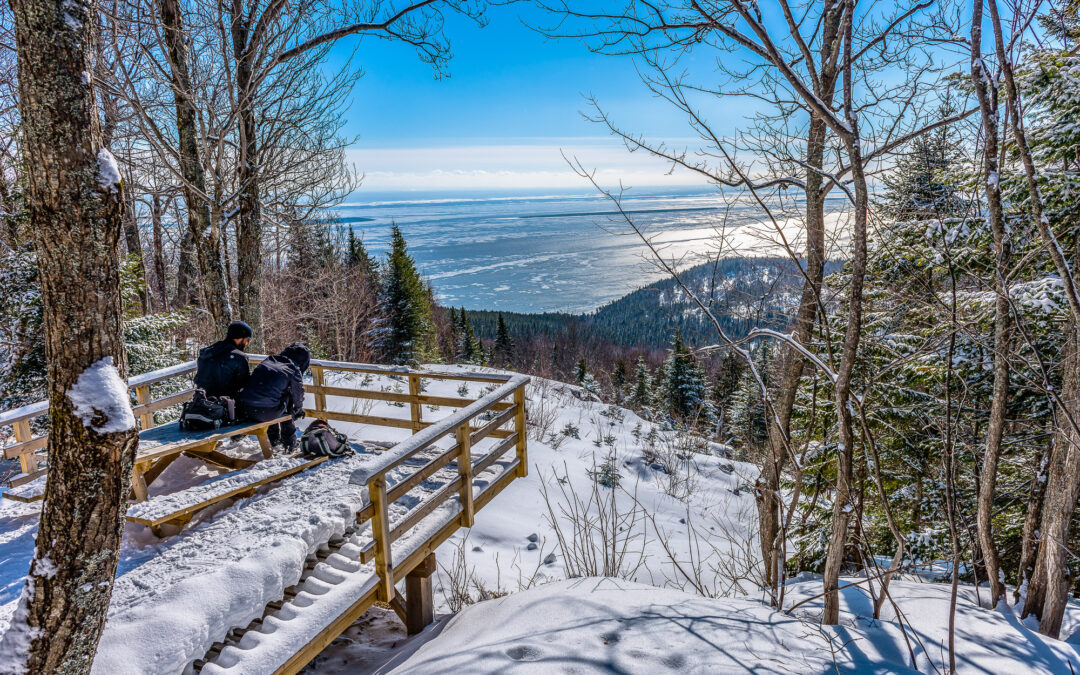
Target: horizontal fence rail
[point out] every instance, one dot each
(27, 447)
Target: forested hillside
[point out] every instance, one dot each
(743, 293)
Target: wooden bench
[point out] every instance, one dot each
(160, 446)
(166, 514)
(28, 491)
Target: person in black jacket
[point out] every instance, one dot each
(223, 368)
(276, 389)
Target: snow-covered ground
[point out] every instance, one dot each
(679, 525)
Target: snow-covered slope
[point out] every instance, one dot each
(679, 525)
(598, 625)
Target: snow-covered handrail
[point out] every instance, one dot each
(427, 436)
(26, 444)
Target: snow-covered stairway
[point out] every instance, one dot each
(417, 499)
(265, 578)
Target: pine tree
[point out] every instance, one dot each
(503, 352)
(642, 397)
(919, 187)
(357, 257)
(407, 334)
(467, 346)
(580, 370)
(684, 391)
(619, 378)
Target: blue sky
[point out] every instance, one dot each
(510, 104)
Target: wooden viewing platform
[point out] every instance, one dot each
(396, 551)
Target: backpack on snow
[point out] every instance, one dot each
(320, 440)
(204, 412)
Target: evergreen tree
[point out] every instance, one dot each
(503, 352)
(467, 346)
(619, 379)
(580, 370)
(406, 334)
(357, 257)
(684, 391)
(642, 385)
(920, 186)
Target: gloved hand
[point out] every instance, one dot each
(299, 414)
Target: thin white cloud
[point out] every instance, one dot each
(509, 166)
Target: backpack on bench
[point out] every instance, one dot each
(204, 412)
(320, 440)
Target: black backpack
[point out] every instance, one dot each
(204, 412)
(320, 440)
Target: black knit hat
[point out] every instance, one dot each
(299, 354)
(238, 330)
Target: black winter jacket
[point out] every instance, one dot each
(277, 382)
(222, 369)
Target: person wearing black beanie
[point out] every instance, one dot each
(223, 368)
(276, 389)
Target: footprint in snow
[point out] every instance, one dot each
(524, 653)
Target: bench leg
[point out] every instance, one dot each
(264, 443)
(138, 482)
(419, 605)
(208, 453)
(151, 474)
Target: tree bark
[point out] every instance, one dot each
(76, 214)
(1048, 590)
(770, 530)
(134, 249)
(160, 287)
(1002, 322)
(1029, 546)
(187, 274)
(842, 504)
(205, 236)
(249, 219)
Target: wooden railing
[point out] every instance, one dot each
(498, 414)
(29, 449)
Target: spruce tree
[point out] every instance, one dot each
(684, 391)
(642, 385)
(467, 346)
(503, 353)
(407, 334)
(619, 378)
(357, 257)
(919, 187)
(580, 370)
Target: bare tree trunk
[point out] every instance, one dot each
(76, 207)
(842, 506)
(1032, 514)
(134, 249)
(1002, 323)
(160, 287)
(768, 491)
(1048, 589)
(206, 237)
(249, 219)
(187, 274)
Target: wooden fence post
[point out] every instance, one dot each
(416, 410)
(27, 462)
(464, 465)
(320, 397)
(380, 530)
(522, 435)
(419, 604)
(142, 395)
